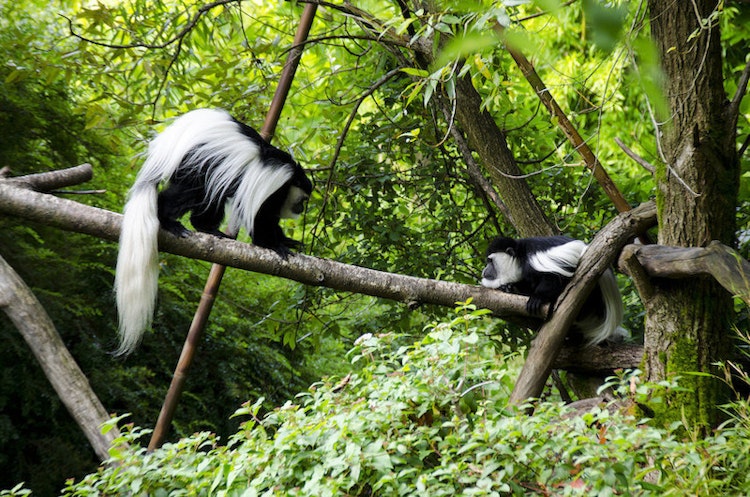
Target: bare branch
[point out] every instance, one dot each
(591, 161)
(72, 216)
(743, 148)
(473, 168)
(734, 105)
(52, 180)
(717, 260)
(640, 160)
(61, 369)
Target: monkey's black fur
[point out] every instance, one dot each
(540, 268)
(205, 159)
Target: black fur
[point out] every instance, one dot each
(186, 192)
(542, 286)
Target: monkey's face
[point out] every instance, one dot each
(294, 205)
(502, 269)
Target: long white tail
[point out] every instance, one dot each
(137, 274)
(609, 328)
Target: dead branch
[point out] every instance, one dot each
(570, 132)
(53, 180)
(600, 254)
(71, 385)
(717, 260)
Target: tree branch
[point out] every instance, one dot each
(734, 105)
(53, 180)
(591, 161)
(619, 356)
(717, 260)
(71, 385)
(73, 216)
(640, 160)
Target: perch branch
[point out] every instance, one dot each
(717, 260)
(73, 216)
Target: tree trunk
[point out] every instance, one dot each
(490, 144)
(687, 325)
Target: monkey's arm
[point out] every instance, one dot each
(546, 290)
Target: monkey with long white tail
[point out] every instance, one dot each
(206, 159)
(540, 268)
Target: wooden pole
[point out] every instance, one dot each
(570, 132)
(216, 274)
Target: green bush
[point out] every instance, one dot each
(431, 419)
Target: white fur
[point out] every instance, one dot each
(557, 258)
(209, 134)
(136, 277)
(507, 270)
(610, 329)
(594, 330)
(212, 134)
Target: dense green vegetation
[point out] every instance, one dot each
(424, 408)
(430, 418)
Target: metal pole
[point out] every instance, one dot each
(217, 271)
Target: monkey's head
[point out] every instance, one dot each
(503, 266)
(300, 188)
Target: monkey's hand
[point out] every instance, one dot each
(507, 288)
(534, 306)
(291, 243)
(283, 251)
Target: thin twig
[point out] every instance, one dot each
(190, 25)
(640, 160)
(339, 145)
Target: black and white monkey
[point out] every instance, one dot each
(540, 268)
(206, 160)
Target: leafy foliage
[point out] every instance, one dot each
(430, 418)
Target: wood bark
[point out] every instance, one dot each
(62, 371)
(720, 262)
(688, 326)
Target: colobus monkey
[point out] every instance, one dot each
(206, 159)
(540, 268)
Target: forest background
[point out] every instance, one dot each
(395, 191)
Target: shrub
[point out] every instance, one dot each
(431, 419)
